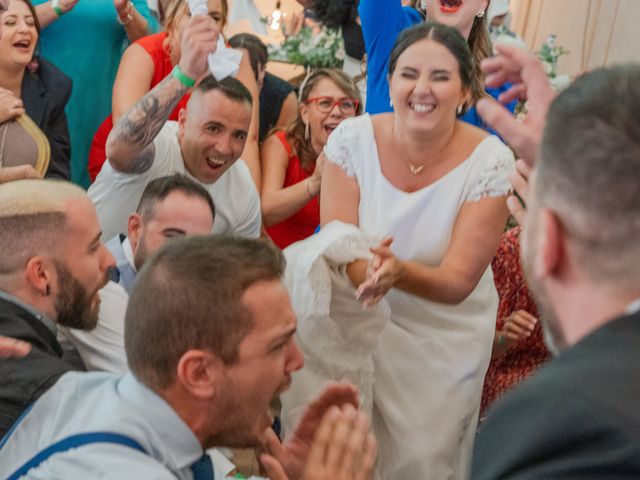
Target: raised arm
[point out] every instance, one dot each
(129, 146)
(132, 80)
(133, 22)
(47, 14)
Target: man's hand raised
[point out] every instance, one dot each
(199, 39)
(292, 456)
(529, 82)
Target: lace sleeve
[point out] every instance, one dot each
(342, 145)
(491, 179)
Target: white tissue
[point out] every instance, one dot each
(224, 62)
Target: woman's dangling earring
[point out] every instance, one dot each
(480, 14)
(390, 102)
(306, 130)
(459, 109)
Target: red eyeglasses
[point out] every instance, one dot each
(348, 106)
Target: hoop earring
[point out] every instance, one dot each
(306, 131)
(480, 14)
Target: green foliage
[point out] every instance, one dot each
(324, 50)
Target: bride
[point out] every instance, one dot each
(433, 188)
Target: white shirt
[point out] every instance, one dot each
(116, 194)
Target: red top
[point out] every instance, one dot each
(153, 45)
(304, 222)
(522, 360)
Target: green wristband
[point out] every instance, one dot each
(55, 4)
(182, 78)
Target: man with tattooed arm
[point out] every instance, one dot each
(204, 144)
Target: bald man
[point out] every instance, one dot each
(51, 268)
(205, 143)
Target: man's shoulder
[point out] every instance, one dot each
(579, 411)
(68, 409)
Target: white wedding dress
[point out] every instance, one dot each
(430, 359)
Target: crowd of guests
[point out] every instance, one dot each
(326, 275)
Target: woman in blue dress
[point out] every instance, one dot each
(383, 20)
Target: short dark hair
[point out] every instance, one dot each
(158, 189)
(448, 37)
(334, 14)
(258, 55)
(589, 170)
(188, 296)
(229, 87)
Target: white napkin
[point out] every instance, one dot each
(224, 62)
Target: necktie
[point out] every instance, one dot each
(203, 468)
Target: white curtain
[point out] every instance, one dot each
(596, 32)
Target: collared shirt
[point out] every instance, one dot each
(46, 321)
(90, 402)
(125, 272)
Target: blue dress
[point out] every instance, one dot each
(87, 44)
(382, 21)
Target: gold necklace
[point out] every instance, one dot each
(415, 169)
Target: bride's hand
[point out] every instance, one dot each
(385, 270)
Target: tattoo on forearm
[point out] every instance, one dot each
(139, 126)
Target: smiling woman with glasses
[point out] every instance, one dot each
(290, 175)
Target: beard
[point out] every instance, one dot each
(74, 303)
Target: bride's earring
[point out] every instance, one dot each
(480, 14)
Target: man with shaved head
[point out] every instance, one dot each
(205, 144)
(51, 268)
